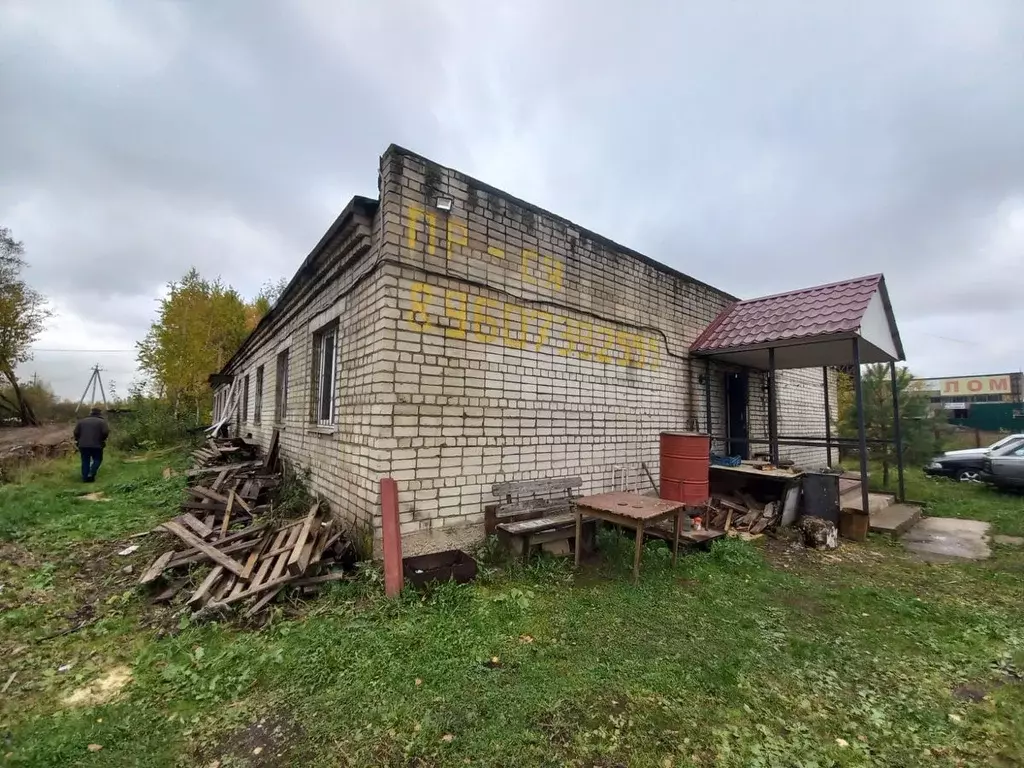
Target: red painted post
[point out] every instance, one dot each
(392, 534)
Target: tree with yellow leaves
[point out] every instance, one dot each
(200, 325)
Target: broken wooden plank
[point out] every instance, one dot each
(206, 493)
(282, 559)
(241, 502)
(227, 514)
(237, 540)
(210, 551)
(225, 589)
(732, 505)
(221, 476)
(322, 543)
(206, 585)
(255, 555)
(266, 563)
(168, 594)
(313, 551)
(231, 467)
(268, 584)
(194, 523)
(295, 559)
(262, 603)
(310, 581)
(156, 568)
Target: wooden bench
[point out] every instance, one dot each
(535, 512)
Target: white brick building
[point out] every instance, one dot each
(452, 336)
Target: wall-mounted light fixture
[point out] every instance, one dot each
(444, 204)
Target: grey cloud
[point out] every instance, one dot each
(757, 146)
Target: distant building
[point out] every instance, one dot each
(991, 402)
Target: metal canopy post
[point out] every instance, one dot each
(828, 418)
(773, 425)
(861, 436)
(707, 401)
(897, 430)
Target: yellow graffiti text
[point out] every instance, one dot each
(462, 315)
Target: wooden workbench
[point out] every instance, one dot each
(631, 510)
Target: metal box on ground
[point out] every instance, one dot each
(451, 565)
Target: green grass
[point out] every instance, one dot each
(943, 497)
(745, 656)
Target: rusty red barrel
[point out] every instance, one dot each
(685, 457)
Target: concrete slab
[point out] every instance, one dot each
(894, 518)
(876, 501)
(945, 538)
(1009, 541)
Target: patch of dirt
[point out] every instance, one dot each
(101, 690)
(21, 446)
(265, 743)
(46, 435)
(971, 691)
(13, 555)
(784, 550)
(96, 496)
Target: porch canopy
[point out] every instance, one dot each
(845, 324)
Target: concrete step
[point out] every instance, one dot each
(876, 501)
(894, 519)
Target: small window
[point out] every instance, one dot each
(281, 387)
(257, 408)
(245, 398)
(325, 359)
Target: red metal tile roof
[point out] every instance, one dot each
(823, 309)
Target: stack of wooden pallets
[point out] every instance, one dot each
(226, 524)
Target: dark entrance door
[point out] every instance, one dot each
(736, 415)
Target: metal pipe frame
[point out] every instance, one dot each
(773, 424)
(858, 386)
(828, 417)
(707, 401)
(897, 432)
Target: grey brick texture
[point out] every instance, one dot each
(489, 342)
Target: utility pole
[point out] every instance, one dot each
(95, 380)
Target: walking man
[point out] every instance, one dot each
(90, 437)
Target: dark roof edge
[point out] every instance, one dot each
(583, 230)
(365, 205)
(695, 347)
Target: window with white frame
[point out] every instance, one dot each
(257, 407)
(325, 357)
(281, 387)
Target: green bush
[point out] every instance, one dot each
(146, 423)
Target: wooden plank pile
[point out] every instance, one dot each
(226, 524)
(741, 513)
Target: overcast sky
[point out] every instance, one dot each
(759, 146)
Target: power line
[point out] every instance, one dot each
(43, 349)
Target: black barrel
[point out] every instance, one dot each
(821, 496)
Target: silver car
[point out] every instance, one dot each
(1005, 467)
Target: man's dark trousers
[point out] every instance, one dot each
(91, 460)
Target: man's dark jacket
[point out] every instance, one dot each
(92, 432)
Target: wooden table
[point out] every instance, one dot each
(630, 510)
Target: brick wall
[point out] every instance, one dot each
(489, 342)
(343, 284)
(528, 347)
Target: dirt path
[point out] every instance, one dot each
(46, 435)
